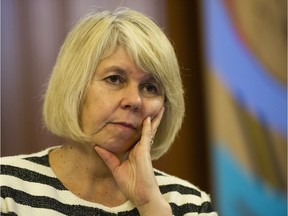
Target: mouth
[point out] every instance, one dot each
(124, 124)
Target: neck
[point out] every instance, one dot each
(83, 172)
(79, 159)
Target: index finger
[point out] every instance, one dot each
(150, 127)
(157, 119)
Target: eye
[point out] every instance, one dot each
(151, 88)
(115, 79)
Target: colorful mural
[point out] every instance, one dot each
(245, 47)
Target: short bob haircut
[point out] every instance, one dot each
(95, 37)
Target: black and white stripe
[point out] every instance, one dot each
(29, 187)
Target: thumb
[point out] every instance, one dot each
(109, 158)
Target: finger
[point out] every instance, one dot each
(156, 121)
(149, 128)
(109, 158)
(147, 135)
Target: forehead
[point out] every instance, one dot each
(120, 61)
(118, 55)
(135, 56)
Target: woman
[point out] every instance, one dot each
(116, 96)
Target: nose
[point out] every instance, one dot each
(131, 98)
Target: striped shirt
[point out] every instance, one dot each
(30, 187)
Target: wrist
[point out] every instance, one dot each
(156, 207)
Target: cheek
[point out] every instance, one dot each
(154, 108)
(94, 112)
(84, 118)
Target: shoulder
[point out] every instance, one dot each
(25, 168)
(27, 181)
(38, 158)
(183, 196)
(25, 172)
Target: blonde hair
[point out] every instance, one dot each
(94, 37)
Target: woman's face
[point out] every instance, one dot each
(117, 101)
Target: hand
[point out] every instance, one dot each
(135, 176)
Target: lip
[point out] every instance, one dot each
(125, 124)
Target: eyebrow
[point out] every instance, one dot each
(116, 69)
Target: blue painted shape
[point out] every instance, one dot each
(240, 71)
(240, 193)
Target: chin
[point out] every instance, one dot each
(121, 149)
